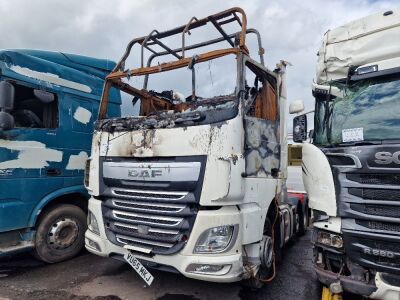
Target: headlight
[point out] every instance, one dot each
(329, 239)
(214, 240)
(93, 226)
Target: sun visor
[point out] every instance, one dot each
(371, 39)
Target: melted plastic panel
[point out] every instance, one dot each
(262, 146)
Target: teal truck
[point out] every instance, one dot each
(48, 103)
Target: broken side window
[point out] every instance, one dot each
(262, 151)
(34, 108)
(261, 97)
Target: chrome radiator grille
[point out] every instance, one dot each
(155, 219)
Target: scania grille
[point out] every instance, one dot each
(152, 214)
(378, 251)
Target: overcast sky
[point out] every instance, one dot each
(291, 29)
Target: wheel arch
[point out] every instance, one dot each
(75, 195)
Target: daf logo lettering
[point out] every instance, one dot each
(144, 173)
(386, 158)
(377, 252)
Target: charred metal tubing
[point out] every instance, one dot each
(191, 67)
(183, 34)
(210, 42)
(155, 41)
(260, 47)
(175, 64)
(221, 31)
(221, 15)
(144, 44)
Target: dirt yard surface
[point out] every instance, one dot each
(93, 277)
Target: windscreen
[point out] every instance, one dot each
(203, 93)
(368, 111)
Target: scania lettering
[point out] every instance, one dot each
(48, 104)
(351, 170)
(196, 183)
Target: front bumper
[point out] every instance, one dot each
(327, 262)
(379, 289)
(350, 285)
(181, 260)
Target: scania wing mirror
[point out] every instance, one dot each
(327, 90)
(7, 96)
(296, 107)
(300, 128)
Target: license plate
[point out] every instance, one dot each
(139, 268)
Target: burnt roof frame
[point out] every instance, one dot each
(114, 78)
(217, 20)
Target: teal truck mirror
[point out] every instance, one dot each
(44, 96)
(7, 95)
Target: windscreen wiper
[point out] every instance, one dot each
(357, 143)
(183, 118)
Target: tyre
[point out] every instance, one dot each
(266, 256)
(60, 233)
(303, 219)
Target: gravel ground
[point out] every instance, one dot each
(92, 277)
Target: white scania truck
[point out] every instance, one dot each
(194, 184)
(351, 170)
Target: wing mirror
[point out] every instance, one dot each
(300, 128)
(7, 96)
(296, 107)
(44, 96)
(326, 90)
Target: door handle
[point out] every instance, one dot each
(53, 172)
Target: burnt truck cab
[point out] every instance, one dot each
(351, 169)
(196, 183)
(48, 104)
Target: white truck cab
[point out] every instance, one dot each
(351, 169)
(196, 183)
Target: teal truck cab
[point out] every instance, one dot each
(48, 102)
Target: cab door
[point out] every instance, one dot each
(30, 161)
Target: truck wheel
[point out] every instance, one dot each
(303, 219)
(60, 233)
(266, 256)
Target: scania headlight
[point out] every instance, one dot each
(93, 226)
(329, 239)
(215, 240)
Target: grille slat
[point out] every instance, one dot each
(382, 226)
(389, 211)
(147, 219)
(381, 179)
(148, 206)
(152, 233)
(128, 240)
(340, 160)
(375, 194)
(148, 195)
